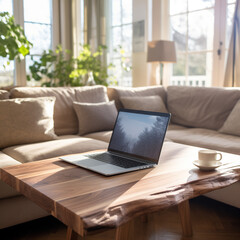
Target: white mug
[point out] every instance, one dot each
(208, 157)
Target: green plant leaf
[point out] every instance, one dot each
(23, 50)
(13, 42)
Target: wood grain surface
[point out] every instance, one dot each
(87, 201)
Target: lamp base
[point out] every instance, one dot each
(161, 73)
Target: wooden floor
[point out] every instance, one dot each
(211, 221)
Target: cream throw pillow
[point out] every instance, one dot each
(149, 103)
(26, 120)
(95, 117)
(232, 124)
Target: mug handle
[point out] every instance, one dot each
(220, 156)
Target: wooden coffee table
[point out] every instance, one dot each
(87, 202)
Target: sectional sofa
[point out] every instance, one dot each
(40, 123)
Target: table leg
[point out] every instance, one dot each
(184, 213)
(122, 232)
(71, 234)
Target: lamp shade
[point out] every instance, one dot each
(161, 51)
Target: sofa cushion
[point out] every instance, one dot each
(65, 118)
(115, 93)
(149, 103)
(232, 124)
(4, 94)
(172, 126)
(5, 189)
(6, 161)
(205, 138)
(91, 94)
(26, 120)
(102, 136)
(62, 146)
(95, 117)
(201, 107)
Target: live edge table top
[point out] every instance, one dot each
(87, 201)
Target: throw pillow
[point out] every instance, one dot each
(26, 120)
(149, 103)
(232, 123)
(95, 117)
(4, 94)
(115, 93)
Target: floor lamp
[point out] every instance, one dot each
(163, 52)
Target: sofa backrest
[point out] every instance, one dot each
(65, 118)
(202, 107)
(115, 93)
(4, 94)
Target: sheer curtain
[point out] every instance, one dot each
(232, 72)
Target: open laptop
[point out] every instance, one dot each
(135, 144)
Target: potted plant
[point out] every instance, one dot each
(53, 68)
(59, 68)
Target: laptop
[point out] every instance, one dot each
(135, 144)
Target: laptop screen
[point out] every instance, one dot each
(139, 134)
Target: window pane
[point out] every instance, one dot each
(121, 35)
(127, 39)
(200, 69)
(229, 26)
(177, 6)
(116, 38)
(7, 74)
(126, 11)
(6, 6)
(201, 29)
(117, 71)
(179, 68)
(37, 11)
(231, 1)
(116, 12)
(197, 64)
(179, 31)
(39, 35)
(199, 4)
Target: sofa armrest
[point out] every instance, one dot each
(5, 190)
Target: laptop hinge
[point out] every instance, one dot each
(131, 158)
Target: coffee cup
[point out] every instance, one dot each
(209, 158)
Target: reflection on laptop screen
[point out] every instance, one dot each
(139, 134)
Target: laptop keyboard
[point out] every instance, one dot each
(116, 160)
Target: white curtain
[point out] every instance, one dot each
(232, 71)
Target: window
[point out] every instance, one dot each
(201, 30)
(7, 73)
(38, 28)
(37, 24)
(116, 15)
(121, 35)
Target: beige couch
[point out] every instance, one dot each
(198, 117)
